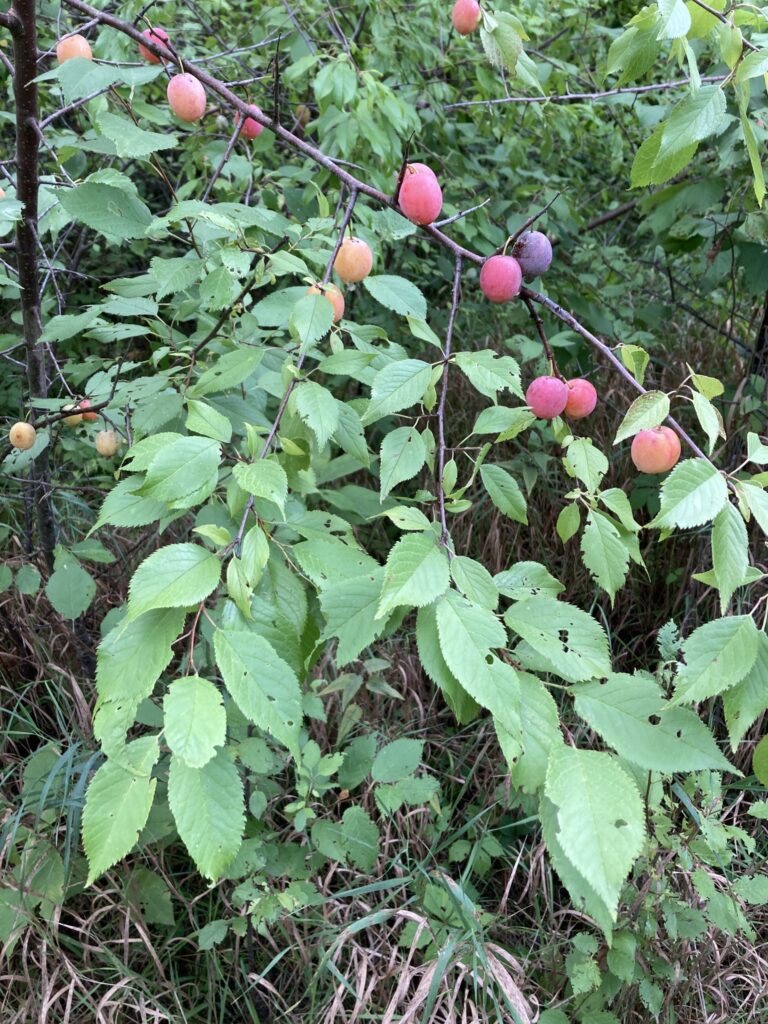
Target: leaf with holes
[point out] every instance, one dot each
(567, 638)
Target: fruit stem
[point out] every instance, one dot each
(531, 220)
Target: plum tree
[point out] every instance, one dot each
(251, 128)
(656, 450)
(501, 278)
(582, 399)
(22, 436)
(75, 418)
(334, 296)
(353, 260)
(533, 251)
(158, 36)
(73, 46)
(89, 417)
(420, 197)
(107, 442)
(186, 97)
(466, 15)
(546, 397)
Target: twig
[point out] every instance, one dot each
(582, 97)
(542, 335)
(227, 152)
(721, 17)
(464, 213)
(447, 349)
(531, 220)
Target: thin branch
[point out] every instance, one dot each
(721, 17)
(531, 220)
(582, 97)
(447, 350)
(464, 213)
(539, 323)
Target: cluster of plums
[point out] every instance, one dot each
(420, 199)
(23, 435)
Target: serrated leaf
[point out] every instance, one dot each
(208, 807)
(568, 522)
(747, 700)
(310, 320)
(396, 760)
(718, 655)
(181, 469)
(397, 386)
(474, 581)
(569, 639)
(130, 659)
(636, 360)
(648, 168)
(464, 707)
(600, 818)
(397, 294)
(604, 554)
(203, 419)
(117, 805)
(490, 373)
(710, 419)
(264, 478)
(175, 576)
(693, 494)
(695, 118)
(403, 454)
(124, 507)
(757, 503)
(527, 579)
(227, 372)
(675, 19)
(361, 838)
(349, 607)
(116, 213)
(539, 733)
(498, 419)
(319, 410)
(586, 462)
(647, 411)
(504, 491)
(349, 434)
(630, 714)
(195, 722)
(730, 552)
(416, 574)
(130, 140)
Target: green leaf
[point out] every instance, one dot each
(182, 469)
(361, 838)
(464, 707)
(117, 805)
(130, 140)
(693, 494)
(675, 19)
(569, 639)
(175, 576)
(397, 294)
(264, 478)
(468, 634)
(604, 554)
(208, 807)
(116, 213)
(474, 581)
(71, 590)
(747, 700)
(403, 454)
(397, 386)
(498, 419)
(227, 372)
(416, 574)
(503, 46)
(755, 497)
(504, 491)
(718, 655)
(204, 419)
(311, 319)
(262, 685)
(710, 419)
(539, 733)
(730, 553)
(630, 714)
(586, 462)
(80, 77)
(616, 501)
(527, 579)
(490, 373)
(647, 411)
(319, 410)
(694, 119)
(754, 65)
(760, 761)
(648, 168)
(396, 760)
(349, 607)
(28, 580)
(326, 560)
(349, 434)
(636, 360)
(568, 522)
(130, 659)
(600, 818)
(195, 720)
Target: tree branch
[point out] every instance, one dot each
(447, 349)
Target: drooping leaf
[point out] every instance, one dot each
(403, 453)
(730, 552)
(349, 607)
(604, 554)
(748, 699)
(195, 722)
(504, 491)
(416, 574)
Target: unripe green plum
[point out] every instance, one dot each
(466, 15)
(186, 97)
(334, 296)
(107, 443)
(420, 198)
(656, 450)
(353, 260)
(582, 399)
(533, 251)
(73, 46)
(22, 436)
(546, 397)
(303, 114)
(158, 36)
(251, 128)
(501, 278)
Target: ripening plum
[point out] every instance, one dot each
(334, 296)
(466, 15)
(22, 436)
(2, 193)
(420, 198)
(74, 419)
(303, 114)
(107, 442)
(656, 450)
(582, 399)
(73, 46)
(353, 260)
(533, 251)
(158, 36)
(501, 278)
(251, 128)
(546, 397)
(186, 97)
(89, 417)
